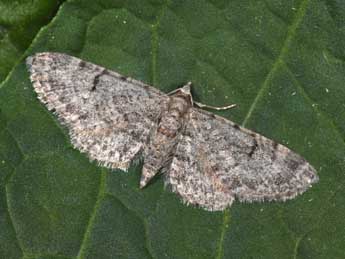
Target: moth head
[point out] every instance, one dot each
(186, 88)
(186, 91)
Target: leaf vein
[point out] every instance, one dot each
(315, 107)
(280, 60)
(16, 142)
(87, 233)
(12, 222)
(328, 202)
(226, 220)
(154, 43)
(283, 52)
(147, 245)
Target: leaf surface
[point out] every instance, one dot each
(19, 23)
(282, 62)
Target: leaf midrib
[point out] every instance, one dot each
(262, 90)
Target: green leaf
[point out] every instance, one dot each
(19, 23)
(281, 61)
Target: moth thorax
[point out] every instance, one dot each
(179, 104)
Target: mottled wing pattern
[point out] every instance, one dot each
(217, 161)
(109, 116)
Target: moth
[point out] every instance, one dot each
(206, 159)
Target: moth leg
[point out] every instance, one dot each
(201, 105)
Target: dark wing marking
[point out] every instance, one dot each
(217, 160)
(108, 115)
